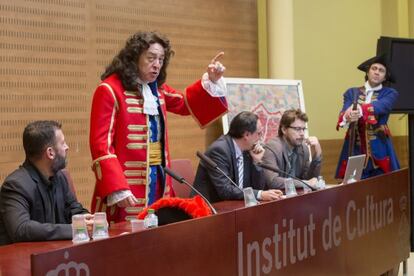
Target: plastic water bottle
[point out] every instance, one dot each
(151, 219)
(321, 183)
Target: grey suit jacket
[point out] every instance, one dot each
(30, 210)
(216, 187)
(276, 155)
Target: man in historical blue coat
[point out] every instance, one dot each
(365, 113)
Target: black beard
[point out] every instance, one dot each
(58, 164)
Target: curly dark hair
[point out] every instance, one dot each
(125, 63)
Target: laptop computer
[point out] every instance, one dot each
(354, 168)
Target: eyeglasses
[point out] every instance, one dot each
(298, 129)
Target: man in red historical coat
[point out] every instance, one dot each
(128, 135)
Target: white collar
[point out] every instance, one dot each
(150, 101)
(237, 149)
(368, 87)
(369, 91)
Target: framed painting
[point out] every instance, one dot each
(268, 98)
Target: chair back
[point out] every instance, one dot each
(184, 169)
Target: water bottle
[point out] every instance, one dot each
(151, 219)
(321, 183)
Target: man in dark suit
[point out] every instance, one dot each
(236, 154)
(289, 152)
(36, 203)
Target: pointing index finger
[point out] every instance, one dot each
(219, 55)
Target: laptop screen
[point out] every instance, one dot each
(354, 168)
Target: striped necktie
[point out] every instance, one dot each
(240, 168)
(292, 160)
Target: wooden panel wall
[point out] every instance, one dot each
(52, 53)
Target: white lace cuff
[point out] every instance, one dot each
(116, 197)
(344, 122)
(217, 89)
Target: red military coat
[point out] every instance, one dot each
(119, 138)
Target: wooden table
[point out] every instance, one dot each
(356, 229)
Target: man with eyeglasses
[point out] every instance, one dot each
(289, 152)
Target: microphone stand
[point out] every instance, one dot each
(183, 181)
(249, 200)
(213, 164)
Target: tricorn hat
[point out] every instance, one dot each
(381, 59)
(174, 209)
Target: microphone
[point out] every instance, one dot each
(214, 165)
(273, 169)
(183, 181)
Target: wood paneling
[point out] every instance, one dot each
(52, 53)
